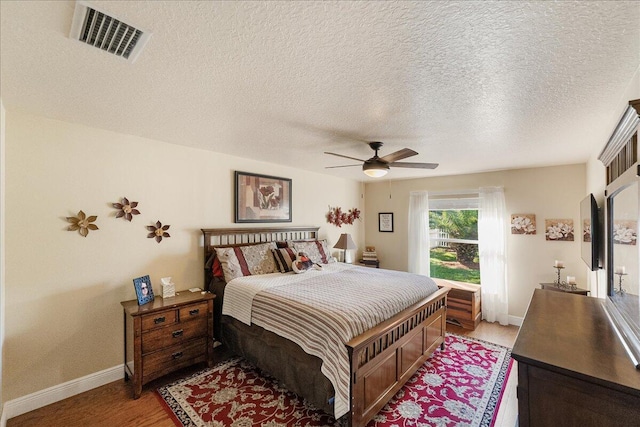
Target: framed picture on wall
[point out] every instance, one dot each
(144, 291)
(385, 222)
(262, 198)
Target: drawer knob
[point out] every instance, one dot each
(178, 333)
(159, 320)
(194, 311)
(176, 355)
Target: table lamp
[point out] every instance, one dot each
(346, 243)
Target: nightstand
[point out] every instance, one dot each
(166, 335)
(370, 263)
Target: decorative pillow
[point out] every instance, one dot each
(302, 263)
(246, 260)
(317, 250)
(214, 264)
(216, 269)
(284, 257)
(281, 244)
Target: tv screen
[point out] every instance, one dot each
(589, 244)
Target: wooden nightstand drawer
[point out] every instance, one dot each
(164, 361)
(166, 337)
(159, 320)
(193, 312)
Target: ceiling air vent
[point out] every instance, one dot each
(96, 28)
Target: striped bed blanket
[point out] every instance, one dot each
(322, 310)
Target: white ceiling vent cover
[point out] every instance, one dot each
(96, 28)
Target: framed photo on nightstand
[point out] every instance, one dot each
(144, 291)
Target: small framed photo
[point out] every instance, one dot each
(144, 291)
(385, 222)
(262, 198)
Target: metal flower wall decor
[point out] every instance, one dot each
(82, 223)
(336, 217)
(158, 231)
(126, 209)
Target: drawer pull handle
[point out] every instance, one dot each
(159, 320)
(178, 333)
(194, 311)
(176, 355)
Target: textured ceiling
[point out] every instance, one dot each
(474, 86)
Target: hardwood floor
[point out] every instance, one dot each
(113, 405)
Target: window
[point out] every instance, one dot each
(453, 237)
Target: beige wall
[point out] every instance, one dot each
(63, 313)
(2, 247)
(552, 192)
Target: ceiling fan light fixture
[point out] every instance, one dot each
(375, 170)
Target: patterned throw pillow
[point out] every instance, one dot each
(247, 260)
(283, 257)
(317, 250)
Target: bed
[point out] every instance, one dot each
(380, 359)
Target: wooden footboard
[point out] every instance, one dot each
(385, 357)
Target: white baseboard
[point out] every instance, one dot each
(30, 402)
(514, 320)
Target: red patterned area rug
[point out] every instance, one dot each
(460, 386)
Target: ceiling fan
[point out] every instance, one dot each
(379, 166)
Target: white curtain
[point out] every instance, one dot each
(492, 247)
(419, 233)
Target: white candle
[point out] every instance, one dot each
(558, 263)
(571, 280)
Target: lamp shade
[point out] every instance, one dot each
(375, 170)
(345, 242)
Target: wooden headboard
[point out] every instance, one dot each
(227, 237)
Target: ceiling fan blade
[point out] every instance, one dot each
(342, 166)
(414, 165)
(342, 155)
(398, 155)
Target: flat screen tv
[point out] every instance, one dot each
(590, 242)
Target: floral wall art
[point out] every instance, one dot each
(337, 217)
(262, 198)
(82, 223)
(625, 232)
(559, 230)
(523, 224)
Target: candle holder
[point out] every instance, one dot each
(561, 284)
(620, 289)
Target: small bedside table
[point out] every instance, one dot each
(166, 335)
(553, 287)
(370, 263)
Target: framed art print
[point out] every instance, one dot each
(262, 198)
(385, 222)
(144, 291)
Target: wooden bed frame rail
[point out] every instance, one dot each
(382, 358)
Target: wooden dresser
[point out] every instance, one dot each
(572, 367)
(166, 335)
